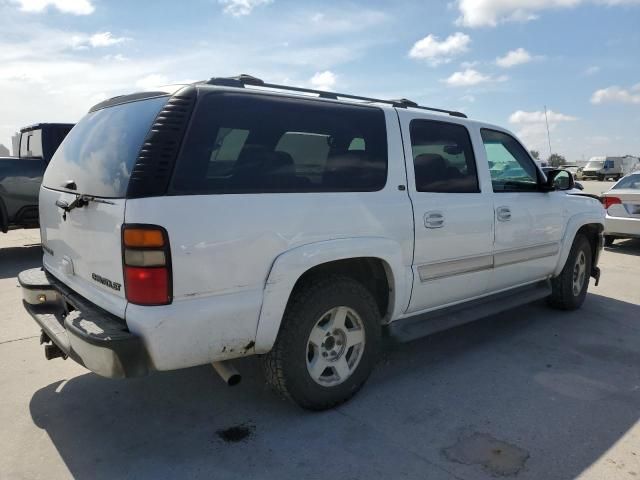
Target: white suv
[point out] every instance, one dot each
(234, 217)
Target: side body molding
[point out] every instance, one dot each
(289, 266)
(573, 225)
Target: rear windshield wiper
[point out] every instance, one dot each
(79, 202)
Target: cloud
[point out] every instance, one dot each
(323, 80)
(152, 81)
(513, 58)
(345, 21)
(97, 40)
(436, 51)
(488, 13)
(240, 8)
(42, 63)
(615, 94)
(522, 117)
(532, 127)
(75, 7)
(105, 39)
(592, 70)
(471, 77)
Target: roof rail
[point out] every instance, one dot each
(241, 80)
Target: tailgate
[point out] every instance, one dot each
(82, 240)
(84, 250)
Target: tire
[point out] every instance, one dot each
(601, 178)
(311, 311)
(608, 240)
(565, 295)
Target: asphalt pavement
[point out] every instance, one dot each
(532, 393)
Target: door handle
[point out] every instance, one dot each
(503, 214)
(433, 220)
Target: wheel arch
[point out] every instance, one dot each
(589, 225)
(376, 262)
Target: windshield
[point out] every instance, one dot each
(631, 182)
(100, 151)
(595, 164)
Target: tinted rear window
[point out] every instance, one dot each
(243, 143)
(101, 150)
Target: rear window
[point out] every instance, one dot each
(101, 150)
(243, 143)
(632, 182)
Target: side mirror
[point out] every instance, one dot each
(559, 180)
(578, 185)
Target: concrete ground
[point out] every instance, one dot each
(532, 393)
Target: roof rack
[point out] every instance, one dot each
(241, 80)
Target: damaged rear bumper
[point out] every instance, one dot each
(89, 335)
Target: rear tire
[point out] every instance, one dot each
(608, 240)
(569, 289)
(601, 178)
(327, 345)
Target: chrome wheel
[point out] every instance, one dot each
(335, 346)
(579, 273)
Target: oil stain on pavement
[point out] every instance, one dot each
(495, 456)
(237, 433)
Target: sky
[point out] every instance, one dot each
(499, 61)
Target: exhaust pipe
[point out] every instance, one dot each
(227, 372)
(53, 351)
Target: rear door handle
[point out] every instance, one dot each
(434, 220)
(503, 214)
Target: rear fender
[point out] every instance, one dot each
(289, 266)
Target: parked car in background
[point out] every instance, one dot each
(622, 203)
(21, 176)
(571, 168)
(235, 217)
(603, 168)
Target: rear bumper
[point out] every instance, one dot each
(622, 227)
(89, 335)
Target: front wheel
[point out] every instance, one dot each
(569, 289)
(327, 345)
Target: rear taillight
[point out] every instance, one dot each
(608, 201)
(146, 258)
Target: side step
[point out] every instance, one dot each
(421, 325)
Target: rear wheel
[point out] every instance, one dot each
(608, 240)
(327, 345)
(569, 289)
(601, 178)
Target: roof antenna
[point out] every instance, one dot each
(548, 136)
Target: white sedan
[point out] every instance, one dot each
(622, 203)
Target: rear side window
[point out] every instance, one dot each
(31, 144)
(443, 157)
(244, 143)
(100, 151)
